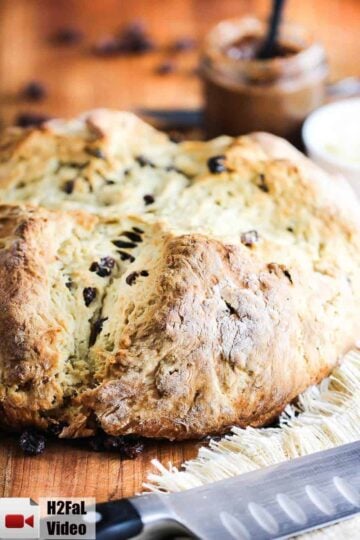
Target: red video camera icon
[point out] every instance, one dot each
(18, 521)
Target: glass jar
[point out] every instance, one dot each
(247, 94)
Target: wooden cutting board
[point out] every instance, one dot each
(77, 81)
(67, 470)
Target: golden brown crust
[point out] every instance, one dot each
(241, 291)
(27, 326)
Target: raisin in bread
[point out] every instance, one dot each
(215, 304)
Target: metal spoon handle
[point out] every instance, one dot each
(267, 48)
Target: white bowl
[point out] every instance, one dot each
(331, 136)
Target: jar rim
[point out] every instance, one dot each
(311, 52)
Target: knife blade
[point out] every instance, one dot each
(280, 501)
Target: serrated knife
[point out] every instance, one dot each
(275, 502)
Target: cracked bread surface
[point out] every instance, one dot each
(216, 304)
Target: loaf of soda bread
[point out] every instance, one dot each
(167, 290)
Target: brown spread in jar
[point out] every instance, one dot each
(248, 47)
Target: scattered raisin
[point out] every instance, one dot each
(124, 244)
(33, 91)
(104, 267)
(138, 230)
(165, 68)
(66, 36)
(89, 294)
(217, 164)
(96, 329)
(262, 184)
(95, 152)
(144, 273)
(30, 119)
(131, 278)
(68, 187)
(140, 45)
(133, 236)
(124, 256)
(110, 182)
(128, 446)
(134, 38)
(149, 199)
(32, 442)
(249, 238)
(143, 161)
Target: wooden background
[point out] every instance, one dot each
(76, 81)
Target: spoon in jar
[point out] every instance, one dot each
(267, 50)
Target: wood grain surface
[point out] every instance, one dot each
(76, 80)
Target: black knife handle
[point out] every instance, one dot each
(119, 520)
